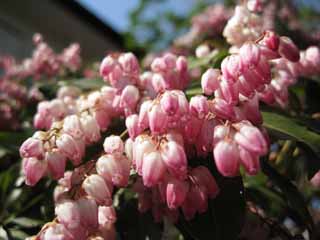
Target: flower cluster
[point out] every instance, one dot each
(45, 62)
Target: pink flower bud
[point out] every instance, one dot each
(249, 54)
(56, 232)
(107, 215)
(271, 40)
(250, 161)
(170, 60)
(229, 92)
(204, 141)
(68, 214)
(222, 109)
(132, 124)
(71, 148)
(103, 119)
(90, 129)
(176, 192)
(129, 97)
(143, 114)
(157, 119)
(231, 68)
(106, 66)
(192, 129)
(113, 144)
(97, 188)
(202, 177)
(129, 63)
(288, 49)
(250, 138)
(34, 170)
(251, 110)
(210, 81)
(202, 50)
(220, 133)
(115, 169)
(199, 106)
(128, 148)
(141, 147)
(56, 163)
(32, 147)
(88, 210)
(175, 159)
(158, 65)
(313, 56)
(169, 103)
(158, 82)
(153, 169)
(72, 126)
(226, 156)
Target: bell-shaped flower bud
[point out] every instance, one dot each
(199, 106)
(90, 129)
(157, 119)
(176, 192)
(56, 163)
(96, 187)
(143, 114)
(251, 138)
(174, 156)
(33, 170)
(210, 81)
(250, 161)
(32, 147)
(153, 168)
(129, 97)
(169, 103)
(68, 213)
(107, 215)
(288, 49)
(202, 176)
(88, 210)
(72, 126)
(249, 54)
(226, 156)
(113, 144)
(132, 124)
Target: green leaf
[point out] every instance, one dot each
(27, 222)
(206, 61)
(288, 128)
(18, 234)
(293, 197)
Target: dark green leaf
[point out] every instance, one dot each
(27, 222)
(288, 128)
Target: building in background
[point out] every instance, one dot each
(61, 22)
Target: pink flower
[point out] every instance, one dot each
(34, 170)
(176, 192)
(90, 129)
(249, 54)
(288, 49)
(315, 180)
(250, 138)
(56, 232)
(56, 163)
(199, 106)
(153, 168)
(129, 97)
(114, 168)
(210, 81)
(68, 213)
(107, 215)
(32, 147)
(157, 119)
(143, 114)
(250, 161)
(226, 156)
(88, 211)
(113, 144)
(132, 124)
(72, 126)
(71, 148)
(202, 176)
(169, 103)
(175, 159)
(96, 187)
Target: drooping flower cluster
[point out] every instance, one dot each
(208, 23)
(45, 62)
(167, 129)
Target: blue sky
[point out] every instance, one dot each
(116, 12)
